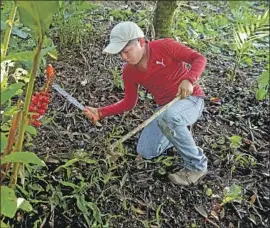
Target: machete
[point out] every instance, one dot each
(71, 99)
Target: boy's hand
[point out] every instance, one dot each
(92, 114)
(185, 89)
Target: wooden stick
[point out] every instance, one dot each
(142, 125)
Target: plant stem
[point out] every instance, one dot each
(236, 66)
(9, 29)
(11, 140)
(24, 120)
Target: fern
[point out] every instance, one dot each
(245, 35)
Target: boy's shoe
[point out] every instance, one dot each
(186, 177)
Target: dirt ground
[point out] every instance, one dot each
(144, 187)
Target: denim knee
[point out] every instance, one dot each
(172, 118)
(169, 121)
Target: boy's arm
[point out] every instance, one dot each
(183, 53)
(127, 103)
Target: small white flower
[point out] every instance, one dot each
(20, 201)
(19, 72)
(5, 65)
(10, 64)
(243, 36)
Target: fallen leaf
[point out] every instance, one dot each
(138, 211)
(253, 199)
(222, 213)
(252, 218)
(201, 211)
(209, 192)
(84, 82)
(215, 215)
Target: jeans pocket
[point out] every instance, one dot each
(199, 102)
(194, 99)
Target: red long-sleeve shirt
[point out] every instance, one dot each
(166, 69)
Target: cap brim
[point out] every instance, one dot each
(114, 48)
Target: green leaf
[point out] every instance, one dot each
(261, 94)
(3, 141)
(266, 14)
(96, 211)
(158, 212)
(81, 204)
(30, 129)
(263, 79)
(247, 30)
(3, 25)
(23, 157)
(69, 184)
(235, 141)
(27, 55)
(37, 15)
(11, 110)
(53, 54)
(19, 56)
(48, 50)
(248, 61)
(232, 193)
(235, 4)
(10, 91)
(24, 205)
(67, 164)
(89, 161)
(18, 32)
(8, 202)
(3, 225)
(209, 192)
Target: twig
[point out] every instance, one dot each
(123, 117)
(85, 60)
(251, 134)
(237, 211)
(254, 133)
(104, 63)
(244, 129)
(214, 224)
(145, 123)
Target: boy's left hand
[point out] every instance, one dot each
(185, 89)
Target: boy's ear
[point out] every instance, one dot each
(142, 42)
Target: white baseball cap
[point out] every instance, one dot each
(121, 34)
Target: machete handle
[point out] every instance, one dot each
(90, 115)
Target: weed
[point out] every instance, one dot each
(71, 25)
(117, 79)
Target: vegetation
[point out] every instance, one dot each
(55, 166)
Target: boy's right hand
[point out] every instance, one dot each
(92, 114)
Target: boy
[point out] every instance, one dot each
(160, 67)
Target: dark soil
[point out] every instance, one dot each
(134, 197)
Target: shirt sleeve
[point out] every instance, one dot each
(180, 52)
(127, 103)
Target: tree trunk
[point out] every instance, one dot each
(163, 18)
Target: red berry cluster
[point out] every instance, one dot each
(39, 105)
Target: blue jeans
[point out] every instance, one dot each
(170, 129)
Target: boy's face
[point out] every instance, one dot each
(133, 52)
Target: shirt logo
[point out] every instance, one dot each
(160, 63)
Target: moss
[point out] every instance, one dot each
(163, 18)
